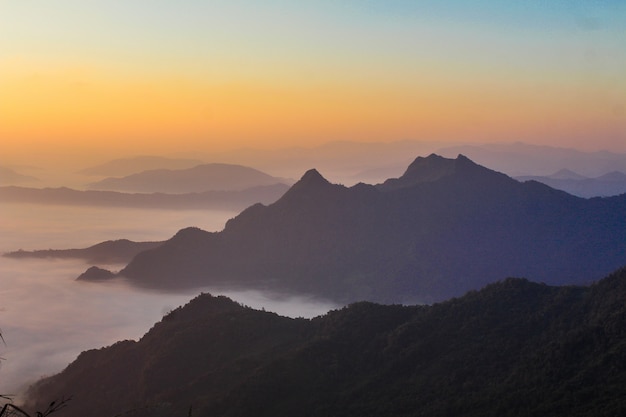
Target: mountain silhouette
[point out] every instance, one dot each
(609, 184)
(127, 166)
(566, 174)
(110, 251)
(444, 227)
(9, 176)
(517, 159)
(514, 348)
(201, 178)
(96, 274)
(218, 200)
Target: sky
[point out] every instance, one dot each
(103, 78)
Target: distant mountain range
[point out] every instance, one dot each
(444, 227)
(9, 176)
(133, 165)
(515, 348)
(218, 200)
(343, 161)
(111, 251)
(349, 162)
(201, 178)
(521, 159)
(612, 183)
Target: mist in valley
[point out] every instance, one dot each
(47, 318)
(444, 183)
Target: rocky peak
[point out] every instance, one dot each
(312, 176)
(430, 169)
(311, 185)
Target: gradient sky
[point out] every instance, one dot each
(157, 76)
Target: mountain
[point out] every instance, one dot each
(612, 183)
(96, 274)
(111, 251)
(127, 166)
(520, 159)
(444, 227)
(515, 348)
(349, 162)
(8, 176)
(566, 174)
(346, 162)
(217, 200)
(201, 178)
(614, 176)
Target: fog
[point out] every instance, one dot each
(47, 318)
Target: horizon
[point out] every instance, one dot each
(335, 160)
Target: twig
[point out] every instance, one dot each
(54, 406)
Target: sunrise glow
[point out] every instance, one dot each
(199, 76)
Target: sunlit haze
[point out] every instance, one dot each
(83, 81)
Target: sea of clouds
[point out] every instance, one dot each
(47, 318)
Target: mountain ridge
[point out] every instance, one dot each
(483, 354)
(132, 165)
(200, 178)
(9, 176)
(218, 200)
(610, 184)
(400, 244)
(110, 251)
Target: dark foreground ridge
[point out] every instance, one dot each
(445, 227)
(515, 348)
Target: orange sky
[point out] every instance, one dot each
(93, 81)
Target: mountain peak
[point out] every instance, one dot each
(312, 186)
(429, 169)
(313, 176)
(566, 174)
(311, 180)
(434, 167)
(96, 274)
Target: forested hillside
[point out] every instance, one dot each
(514, 348)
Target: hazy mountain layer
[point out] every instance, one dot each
(515, 348)
(352, 162)
(111, 251)
(128, 166)
(518, 159)
(612, 183)
(446, 226)
(229, 200)
(9, 176)
(201, 178)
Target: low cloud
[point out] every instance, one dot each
(48, 318)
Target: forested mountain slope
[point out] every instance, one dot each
(514, 348)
